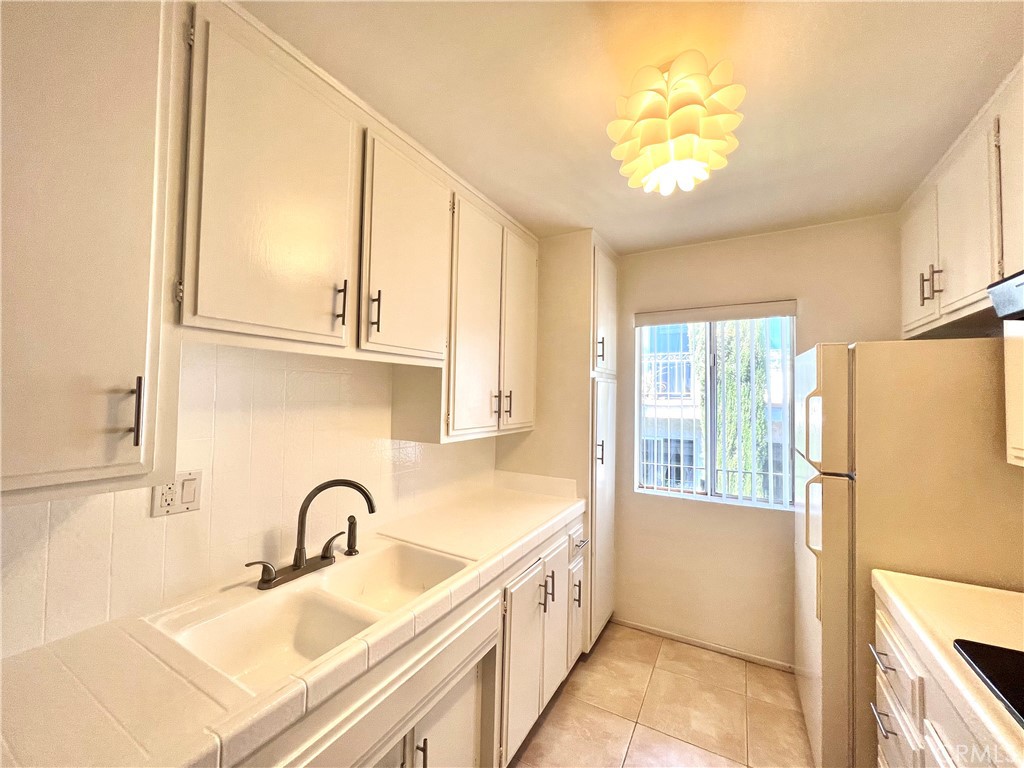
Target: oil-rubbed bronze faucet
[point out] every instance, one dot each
(270, 578)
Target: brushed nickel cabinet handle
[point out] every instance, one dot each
(600, 349)
(920, 288)
(497, 403)
(379, 303)
(878, 654)
(423, 749)
(552, 586)
(508, 410)
(136, 429)
(600, 458)
(544, 604)
(886, 733)
(579, 594)
(343, 294)
(932, 272)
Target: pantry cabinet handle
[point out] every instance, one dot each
(579, 594)
(932, 272)
(600, 458)
(508, 410)
(343, 293)
(878, 654)
(423, 749)
(379, 303)
(886, 733)
(920, 288)
(136, 429)
(600, 349)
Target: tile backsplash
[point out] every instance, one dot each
(264, 427)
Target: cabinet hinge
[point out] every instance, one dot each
(501, 755)
(451, 206)
(995, 133)
(504, 607)
(179, 292)
(191, 36)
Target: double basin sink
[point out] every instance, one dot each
(258, 638)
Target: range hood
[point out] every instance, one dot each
(1008, 297)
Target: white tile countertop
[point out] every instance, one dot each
(127, 694)
(940, 612)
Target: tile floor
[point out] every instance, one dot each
(640, 700)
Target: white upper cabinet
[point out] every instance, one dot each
(84, 155)
(604, 313)
(967, 216)
(919, 258)
(474, 396)
(518, 334)
(407, 247)
(275, 158)
(962, 230)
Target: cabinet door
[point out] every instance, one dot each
(1011, 173)
(449, 735)
(1013, 342)
(556, 619)
(604, 342)
(602, 503)
(84, 168)
(966, 219)
(406, 255)
(576, 592)
(473, 397)
(275, 163)
(524, 663)
(919, 256)
(518, 333)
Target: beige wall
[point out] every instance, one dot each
(720, 574)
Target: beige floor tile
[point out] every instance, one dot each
(777, 737)
(574, 734)
(773, 686)
(653, 749)
(708, 666)
(621, 642)
(697, 712)
(613, 683)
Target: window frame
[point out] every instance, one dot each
(712, 493)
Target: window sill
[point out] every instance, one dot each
(726, 501)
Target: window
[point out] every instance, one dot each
(715, 409)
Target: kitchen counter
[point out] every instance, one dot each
(939, 612)
(126, 693)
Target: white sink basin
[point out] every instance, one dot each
(389, 576)
(279, 632)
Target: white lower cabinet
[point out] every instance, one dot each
(1013, 345)
(577, 575)
(538, 616)
(449, 735)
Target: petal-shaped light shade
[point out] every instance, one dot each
(677, 124)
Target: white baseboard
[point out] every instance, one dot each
(702, 644)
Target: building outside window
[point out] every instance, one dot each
(715, 408)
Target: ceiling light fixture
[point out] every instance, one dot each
(676, 126)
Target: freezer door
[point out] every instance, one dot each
(821, 548)
(822, 408)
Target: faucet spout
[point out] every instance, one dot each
(299, 561)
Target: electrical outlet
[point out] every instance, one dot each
(183, 495)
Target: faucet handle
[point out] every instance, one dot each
(328, 550)
(269, 571)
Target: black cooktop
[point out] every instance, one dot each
(1002, 670)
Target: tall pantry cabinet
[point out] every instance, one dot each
(574, 435)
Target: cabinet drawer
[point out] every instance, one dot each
(935, 754)
(897, 737)
(951, 733)
(899, 668)
(577, 541)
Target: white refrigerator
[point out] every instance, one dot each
(900, 465)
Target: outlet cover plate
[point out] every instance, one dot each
(183, 495)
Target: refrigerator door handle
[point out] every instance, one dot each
(814, 394)
(816, 480)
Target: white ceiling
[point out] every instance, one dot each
(848, 104)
